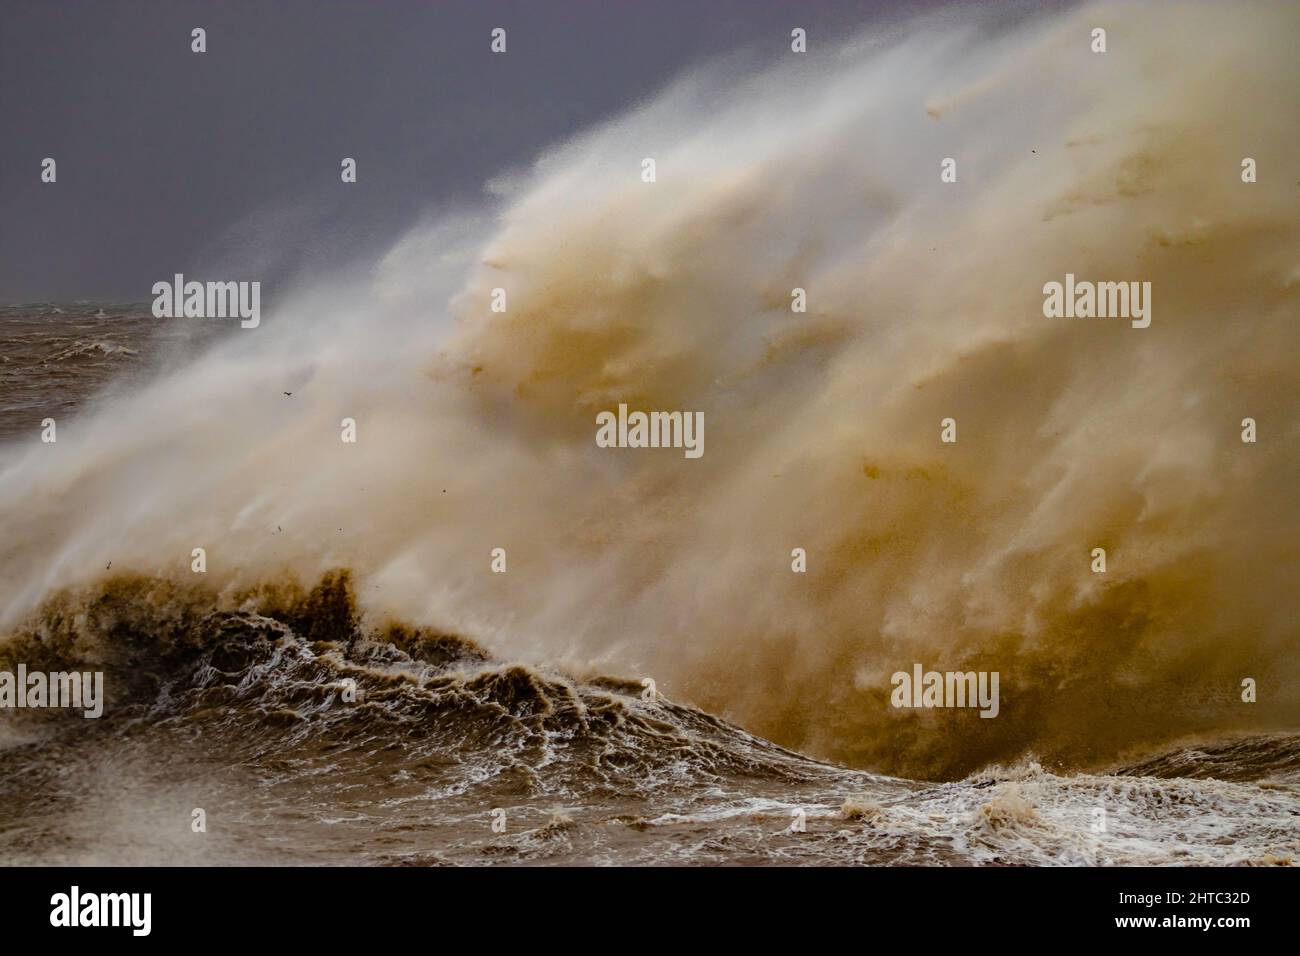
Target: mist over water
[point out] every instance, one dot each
(476, 430)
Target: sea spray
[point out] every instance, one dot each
(924, 303)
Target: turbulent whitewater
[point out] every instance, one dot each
(240, 714)
(330, 562)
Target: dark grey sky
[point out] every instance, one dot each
(166, 157)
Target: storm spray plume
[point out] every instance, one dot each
(475, 427)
